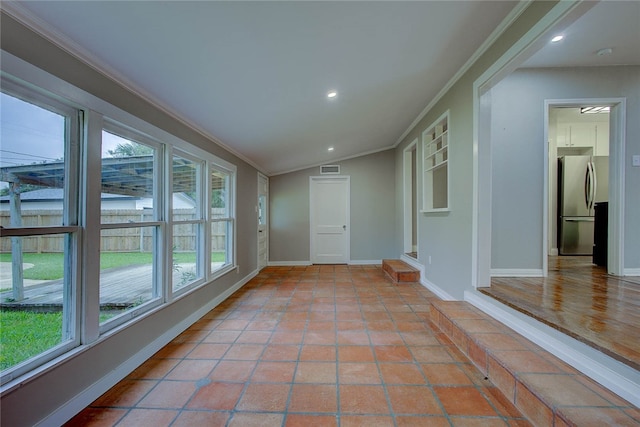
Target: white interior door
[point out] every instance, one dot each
(329, 215)
(263, 221)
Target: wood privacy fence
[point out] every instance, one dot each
(136, 239)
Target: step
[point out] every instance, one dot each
(399, 271)
(546, 390)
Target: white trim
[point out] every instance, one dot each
(288, 263)
(517, 272)
(44, 29)
(506, 23)
(365, 262)
(440, 293)
(65, 412)
(560, 14)
(409, 168)
(610, 373)
(632, 271)
(262, 176)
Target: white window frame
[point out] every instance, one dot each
(159, 258)
(200, 222)
(70, 227)
(231, 264)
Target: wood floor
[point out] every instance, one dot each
(582, 301)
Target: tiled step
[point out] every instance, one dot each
(545, 389)
(400, 271)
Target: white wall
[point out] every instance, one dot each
(518, 156)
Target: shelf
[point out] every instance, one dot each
(435, 162)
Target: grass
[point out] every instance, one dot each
(24, 335)
(50, 266)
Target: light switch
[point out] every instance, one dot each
(636, 160)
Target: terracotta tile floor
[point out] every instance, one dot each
(309, 346)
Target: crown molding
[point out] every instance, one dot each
(24, 16)
(499, 30)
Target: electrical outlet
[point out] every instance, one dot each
(635, 160)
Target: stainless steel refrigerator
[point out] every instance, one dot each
(582, 181)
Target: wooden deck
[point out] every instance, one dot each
(119, 287)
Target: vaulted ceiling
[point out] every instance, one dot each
(255, 75)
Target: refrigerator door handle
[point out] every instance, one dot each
(587, 187)
(594, 185)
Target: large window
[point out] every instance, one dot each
(130, 214)
(222, 219)
(39, 249)
(188, 223)
(103, 217)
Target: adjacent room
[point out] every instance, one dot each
(322, 213)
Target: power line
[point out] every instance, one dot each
(28, 155)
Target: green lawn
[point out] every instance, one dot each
(24, 335)
(49, 266)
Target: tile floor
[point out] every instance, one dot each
(309, 346)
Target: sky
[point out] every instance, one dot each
(31, 134)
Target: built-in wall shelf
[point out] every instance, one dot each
(435, 166)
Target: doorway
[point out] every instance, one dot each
(329, 219)
(410, 203)
(263, 221)
(585, 129)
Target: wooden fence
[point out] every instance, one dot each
(136, 239)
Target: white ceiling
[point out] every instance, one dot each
(254, 75)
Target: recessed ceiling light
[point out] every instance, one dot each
(605, 51)
(557, 38)
(332, 94)
(330, 149)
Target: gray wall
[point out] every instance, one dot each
(372, 210)
(44, 394)
(447, 237)
(518, 156)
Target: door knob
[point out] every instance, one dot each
(344, 227)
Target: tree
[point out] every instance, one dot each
(130, 149)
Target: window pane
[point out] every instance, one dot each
(126, 269)
(36, 310)
(32, 164)
(185, 255)
(220, 249)
(128, 170)
(186, 176)
(219, 195)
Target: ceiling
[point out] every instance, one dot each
(255, 75)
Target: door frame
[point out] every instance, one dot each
(409, 168)
(617, 126)
(267, 222)
(312, 201)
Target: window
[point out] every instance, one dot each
(154, 218)
(130, 235)
(221, 219)
(39, 236)
(188, 222)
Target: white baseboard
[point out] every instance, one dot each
(365, 262)
(516, 272)
(442, 294)
(621, 379)
(287, 263)
(631, 272)
(84, 399)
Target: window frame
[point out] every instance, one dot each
(200, 221)
(230, 219)
(70, 227)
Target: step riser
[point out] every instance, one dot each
(469, 330)
(400, 272)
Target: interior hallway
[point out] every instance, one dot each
(582, 301)
(317, 345)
